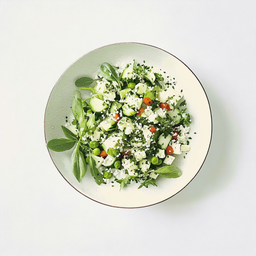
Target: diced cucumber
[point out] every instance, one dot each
(160, 112)
(126, 125)
(175, 115)
(109, 160)
(109, 96)
(133, 101)
(97, 134)
(164, 141)
(123, 93)
(111, 142)
(115, 107)
(128, 72)
(150, 76)
(100, 87)
(97, 105)
(128, 111)
(107, 123)
(98, 160)
(141, 88)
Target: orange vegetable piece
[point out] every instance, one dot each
(103, 154)
(147, 101)
(165, 106)
(152, 129)
(169, 150)
(140, 111)
(175, 135)
(127, 153)
(116, 117)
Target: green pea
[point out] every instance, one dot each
(131, 85)
(107, 175)
(117, 164)
(159, 161)
(96, 151)
(150, 95)
(94, 144)
(154, 160)
(87, 159)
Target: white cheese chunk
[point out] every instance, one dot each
(144, 165)
(169, 159)
(185, 148)
(176, 148)
(139, 155)
(153, 175)
(160, 153)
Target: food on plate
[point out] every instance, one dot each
(130, 129)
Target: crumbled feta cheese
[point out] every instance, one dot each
(160, 112)
(169, 159)
(119, 174)
(176, 148)
(185, 148)
(139, 155)
(144, 165)
(153, 175)
(100, 87)
(160, 153)
(133, 101)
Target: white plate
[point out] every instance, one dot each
(58, 107)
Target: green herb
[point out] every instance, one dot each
(98, 177)
(79, 165)
(68, 133)
(60, 145)
(84, 82)
(169, 171)
(146, 183)
(78, 110)
(109, 73)
(124, 182)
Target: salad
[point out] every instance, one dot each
(130, 129)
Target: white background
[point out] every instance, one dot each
(40, 214)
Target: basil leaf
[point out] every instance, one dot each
(68, 133)
(95, 172)
(84, 82)
(169, 171)
(78, 110)
(79, 166)
(109, 72)
(60, 145)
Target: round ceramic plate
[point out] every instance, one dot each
(58, 107)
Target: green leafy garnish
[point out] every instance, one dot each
(68, 133)
(98, 177)
(78, 111)
(169, 171)
(79, 165)
(60, 145)
(109, 73)
(84, 82)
